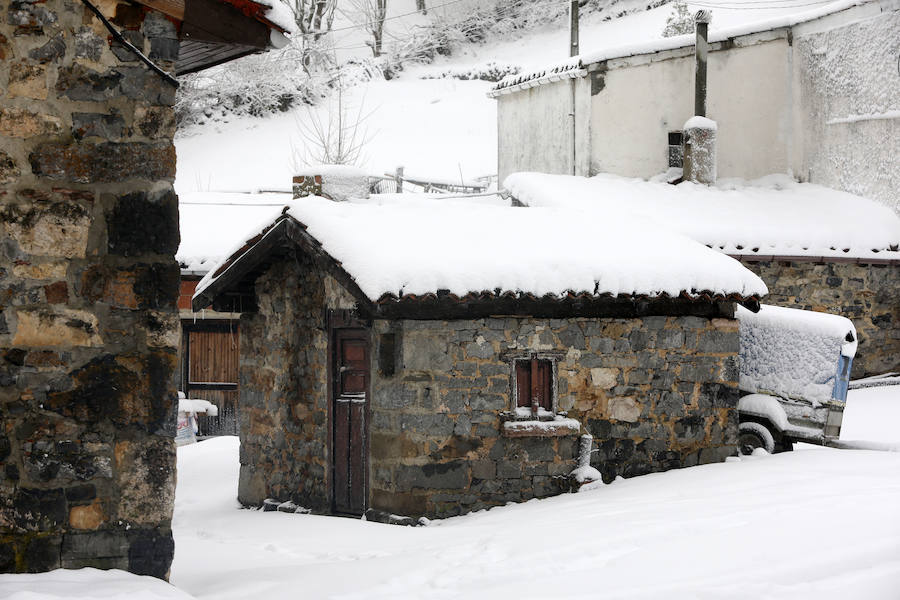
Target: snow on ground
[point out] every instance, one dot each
(86, 584)
(771, 215)
(444, 127)
(821, 524)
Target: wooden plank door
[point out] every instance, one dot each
(349, 407)
(210, 351)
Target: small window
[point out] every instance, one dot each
(534, 387)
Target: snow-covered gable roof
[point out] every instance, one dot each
(397, 251)
(772, 216)
(577, 66)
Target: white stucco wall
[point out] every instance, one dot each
(646, 97)
(534, 129)
(847, 102)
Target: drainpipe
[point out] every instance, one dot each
(702, 19)
(573, 51)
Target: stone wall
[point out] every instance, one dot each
(656, 393)
(284, 386)
(88, 283)
(868, 295)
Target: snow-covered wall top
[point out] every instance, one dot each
(793, 353)
(396, 249)
(772, 216)
(650, 46)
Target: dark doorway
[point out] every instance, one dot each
(350, 395)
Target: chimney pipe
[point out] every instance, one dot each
(701, 19)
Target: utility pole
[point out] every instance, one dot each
(702, 19)
(573, 28)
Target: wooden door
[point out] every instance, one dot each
(350, 366)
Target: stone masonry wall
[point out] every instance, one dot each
(284, 387)
(868, 295)
(656, 393)
(88, 283)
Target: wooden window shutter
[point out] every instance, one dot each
(523, 383)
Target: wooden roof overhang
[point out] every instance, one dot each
(216, 31)
(233, 290)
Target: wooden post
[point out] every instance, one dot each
(573, 28)
(398, 178)
(701, 19)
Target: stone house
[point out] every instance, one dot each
(433, 360)
(813, 94)
(88, 280)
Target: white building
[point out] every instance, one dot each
(815, 94)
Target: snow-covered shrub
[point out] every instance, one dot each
(680, 21)
(490, 71)
(256, 85)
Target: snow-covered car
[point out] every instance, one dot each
(795, 371)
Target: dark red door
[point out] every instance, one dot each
(350, 396)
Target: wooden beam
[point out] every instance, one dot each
(173, 8)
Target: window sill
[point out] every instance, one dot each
(559, 427)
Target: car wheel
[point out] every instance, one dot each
(754, 435)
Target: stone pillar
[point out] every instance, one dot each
(88, 286)
(700, 150)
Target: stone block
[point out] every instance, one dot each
(56, 327)
(104, 163)
(150, 551)
(106, 126)
(27, 81)
(90, 516)
(144, 223)
(57, 229)
(41, 553)
(155, 122)
(425, 351)
(103, 549)
(51, 51)
(38, 509)
(605, 379)
(9, 170)
(88, 44)
(449, 475)
(719, 342)
(29, 17)
(624, 409)
(22, 123)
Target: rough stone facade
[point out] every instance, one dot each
(284, 387)
(88, 283)
(867, 294)
(654, 392)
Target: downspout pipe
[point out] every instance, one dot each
(701, 19)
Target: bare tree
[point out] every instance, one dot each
(337, 138)
(314, 19)
(370, 14)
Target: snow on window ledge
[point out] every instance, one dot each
(558, 427)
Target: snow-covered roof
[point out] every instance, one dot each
(396, 251)
(772, 216)
(569, 69)
(651, 46)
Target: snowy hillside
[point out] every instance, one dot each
(443, 127)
